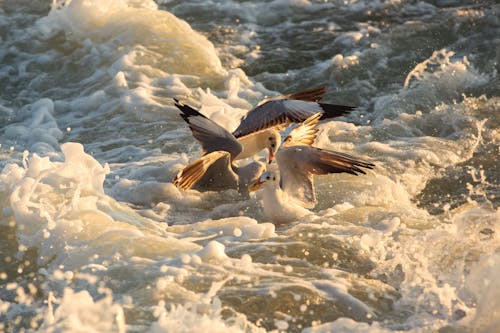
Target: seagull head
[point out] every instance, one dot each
(266, 177)
(272, 144)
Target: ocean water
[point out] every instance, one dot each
(95, 238)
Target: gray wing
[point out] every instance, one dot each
(284, 111)
(212, 171)
(309, 95)
(298, 164)
(211, 136)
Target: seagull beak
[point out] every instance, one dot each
(271, 156)
(255, 186)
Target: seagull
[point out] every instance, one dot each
(259, 128)
(283, 110)
(214, 137)
(291, 197)
(215, 170)
(278, 205)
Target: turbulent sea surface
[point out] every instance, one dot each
(94, 237)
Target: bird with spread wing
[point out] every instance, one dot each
(287, 196)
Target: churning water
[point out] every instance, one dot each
(95, 238)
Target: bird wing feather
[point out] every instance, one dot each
(211, 135)
(196, 170)
(298, 164)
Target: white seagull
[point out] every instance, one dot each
(259, 128)
(215, 169)
(278, 205)
(290, 198)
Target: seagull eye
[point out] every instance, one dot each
(270, 138)
(268, 177)
(274, 178)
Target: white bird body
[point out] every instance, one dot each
(280, 207)
(254, 143)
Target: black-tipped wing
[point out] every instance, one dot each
(334, 110)
(308, 95)
(211, 136)
(284, 111)
(298, 164)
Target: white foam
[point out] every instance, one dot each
(39, 130)
(183, 51)
(346, 325)
(213, 252)
(437, 79)
(58, 206)
(481, 283)
(78, 312)
(239, 228)
(344, 62)
(149, 192)
(207, 318)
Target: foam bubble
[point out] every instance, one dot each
(214, 251)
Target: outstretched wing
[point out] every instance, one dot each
(303, 133)
(298, 164)
(308, 95)
(211, 136)
(284, 111)
(215, 167)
